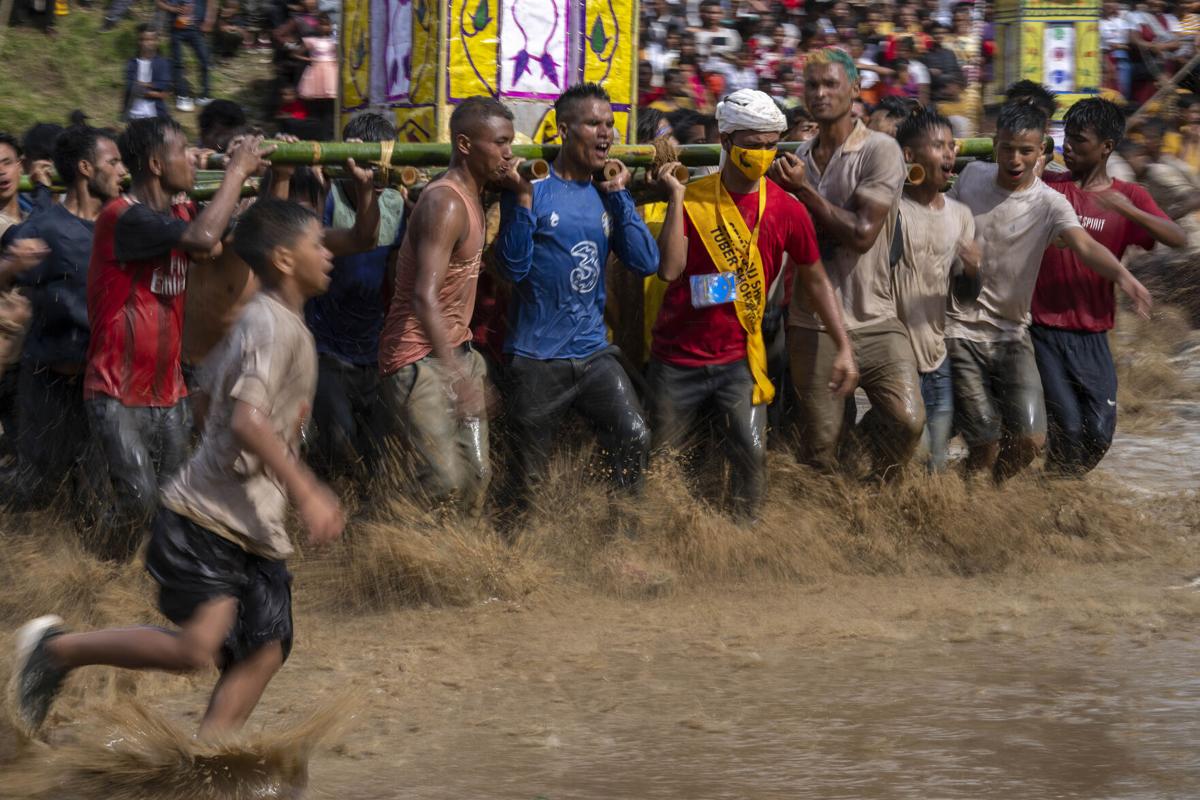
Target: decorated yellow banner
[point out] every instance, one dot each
(474, 48)
(356, 53)
(1087, 54)
(416, 124)
(1031, 51)
(609, 47)
(426, 25)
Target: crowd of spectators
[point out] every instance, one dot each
(298, 36)
(939, 53)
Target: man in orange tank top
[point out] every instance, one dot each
(433, 381)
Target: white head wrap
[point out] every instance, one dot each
(750, 110)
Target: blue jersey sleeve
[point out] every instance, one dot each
(514, 243)
(631, 239)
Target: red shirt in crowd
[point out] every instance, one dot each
(1068, 294)
(135, 296)
(686, 336)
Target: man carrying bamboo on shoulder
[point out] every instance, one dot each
(723, 245)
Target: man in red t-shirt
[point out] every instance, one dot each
(707, 346)
(1073, 307)
(133, 385)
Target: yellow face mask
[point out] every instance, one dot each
(753, 163)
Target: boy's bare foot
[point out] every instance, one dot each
(35, 679)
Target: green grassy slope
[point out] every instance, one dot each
(44, 78)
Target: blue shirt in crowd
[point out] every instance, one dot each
(347, 320)
(555, 255)
(57, 288)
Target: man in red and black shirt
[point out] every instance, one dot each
(133, 384)
(700, 353)
(1073, 308)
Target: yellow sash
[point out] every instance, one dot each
(733, 247)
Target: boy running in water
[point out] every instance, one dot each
(938, 252)
(1073, 307)
(218, 540)
(999, 408)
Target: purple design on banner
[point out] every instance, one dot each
(523, 57)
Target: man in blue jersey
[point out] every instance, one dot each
(347, 320)
(554, 241)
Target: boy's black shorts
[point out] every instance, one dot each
(192, 565)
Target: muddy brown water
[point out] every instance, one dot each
(994, 719)
(1073, 680)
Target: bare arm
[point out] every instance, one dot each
(672, 243)
(364, 235)
(1163, 230)
(318, 507)
(1098, 259)
(203, 234)
(819, 291)
(440, 218)
(437, 227)
(856, 229)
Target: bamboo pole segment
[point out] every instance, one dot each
(534, 169)
(409, 176)
(916, 174)
(438, 155)
(611, 169)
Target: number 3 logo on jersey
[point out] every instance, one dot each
(587, 273)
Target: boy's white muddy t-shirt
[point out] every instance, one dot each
(1013, 230)
(922, 275)
(268, 361)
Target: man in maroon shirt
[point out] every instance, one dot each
(1073, 307)
(702, 352)
(133, 384)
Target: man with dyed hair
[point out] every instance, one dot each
(727, 234)
(849, 178)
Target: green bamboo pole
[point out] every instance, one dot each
(435, 155)
(57, 186)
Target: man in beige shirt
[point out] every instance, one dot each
(850, 179)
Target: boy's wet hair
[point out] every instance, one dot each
(224, 114)
(370, 127)
(38, 142)
(897, 107)
(11, 141)
(797, 114)
(75, 144)
(683, 120)
(1029, 90)
(649, 120)
(473, 111)
(270, 223)
(564, 106)
(918, 125)
(1022, 115)
(143, 139)
(1102, 117)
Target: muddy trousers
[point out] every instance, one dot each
(1079, 381)
(52, 440)
(678, 397)
(449, 456)
(888, 374)
(143, 448)
(542, 393)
